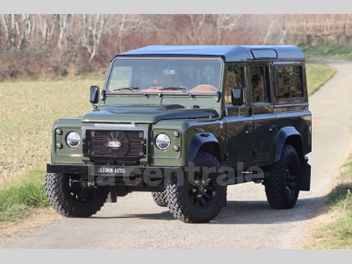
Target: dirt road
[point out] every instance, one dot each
(247, 221)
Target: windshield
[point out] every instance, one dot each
(165, 75)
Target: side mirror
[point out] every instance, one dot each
(237, 96)
(94, 94)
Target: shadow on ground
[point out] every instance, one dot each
(259, 212)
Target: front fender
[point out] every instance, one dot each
(200, 140)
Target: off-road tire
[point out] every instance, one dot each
(160, 198)
(179, 201)
(59, 196)
(278, 192)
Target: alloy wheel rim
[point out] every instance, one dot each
(290, 181)
(202, 191)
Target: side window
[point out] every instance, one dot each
(234, 78)
(259, 84)
(288, 81)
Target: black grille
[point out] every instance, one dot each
(114, 144)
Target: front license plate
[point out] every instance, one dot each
(112, 171)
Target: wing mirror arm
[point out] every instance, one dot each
(103, 95)
(218, 96)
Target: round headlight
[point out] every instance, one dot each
(162, 141)
(73, 139)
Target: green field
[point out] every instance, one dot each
(27, 113)
(338, 234)
(28, 110)
(317, 75)
(328, 51)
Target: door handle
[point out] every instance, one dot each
(248, 129)
(272, 128)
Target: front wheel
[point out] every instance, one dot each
(282, 187)
(70, 198)
(200, 199)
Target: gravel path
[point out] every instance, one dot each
(247, 221)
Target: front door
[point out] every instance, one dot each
(238, 121)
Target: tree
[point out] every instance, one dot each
(63, 30)
(47, 27)
(93, 27)
(225, 23)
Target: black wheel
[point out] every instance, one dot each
(282, 188)
(69, 198)
(160, 198)
(200, 199)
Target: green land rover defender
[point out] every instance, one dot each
(184, 122)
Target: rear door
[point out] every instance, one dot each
(262, 111)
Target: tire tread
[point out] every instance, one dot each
(274, 185)
(160, 198)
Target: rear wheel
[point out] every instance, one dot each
(70, 198)
(160, 198)
(282, 187)
(199, 200)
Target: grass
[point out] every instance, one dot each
(28, 110)
(338, 234)
(317, 75)
(328, 51)
(21, 196)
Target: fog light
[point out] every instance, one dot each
(59, 145)
(176, 148)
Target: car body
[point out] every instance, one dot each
(166, 107)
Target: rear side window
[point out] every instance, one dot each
(288, 81)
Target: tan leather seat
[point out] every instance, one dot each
(203, 88)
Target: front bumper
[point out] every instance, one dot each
(110, 170)
(139, 177)
(67, 169)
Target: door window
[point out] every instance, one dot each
(259, 84)
(234, 78)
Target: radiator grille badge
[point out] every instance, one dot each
(114, 144)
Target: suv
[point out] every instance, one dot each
(184, 122)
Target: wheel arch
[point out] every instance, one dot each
(206, 142)
(288, 135)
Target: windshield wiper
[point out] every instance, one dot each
(173, 88)
(134, 89)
